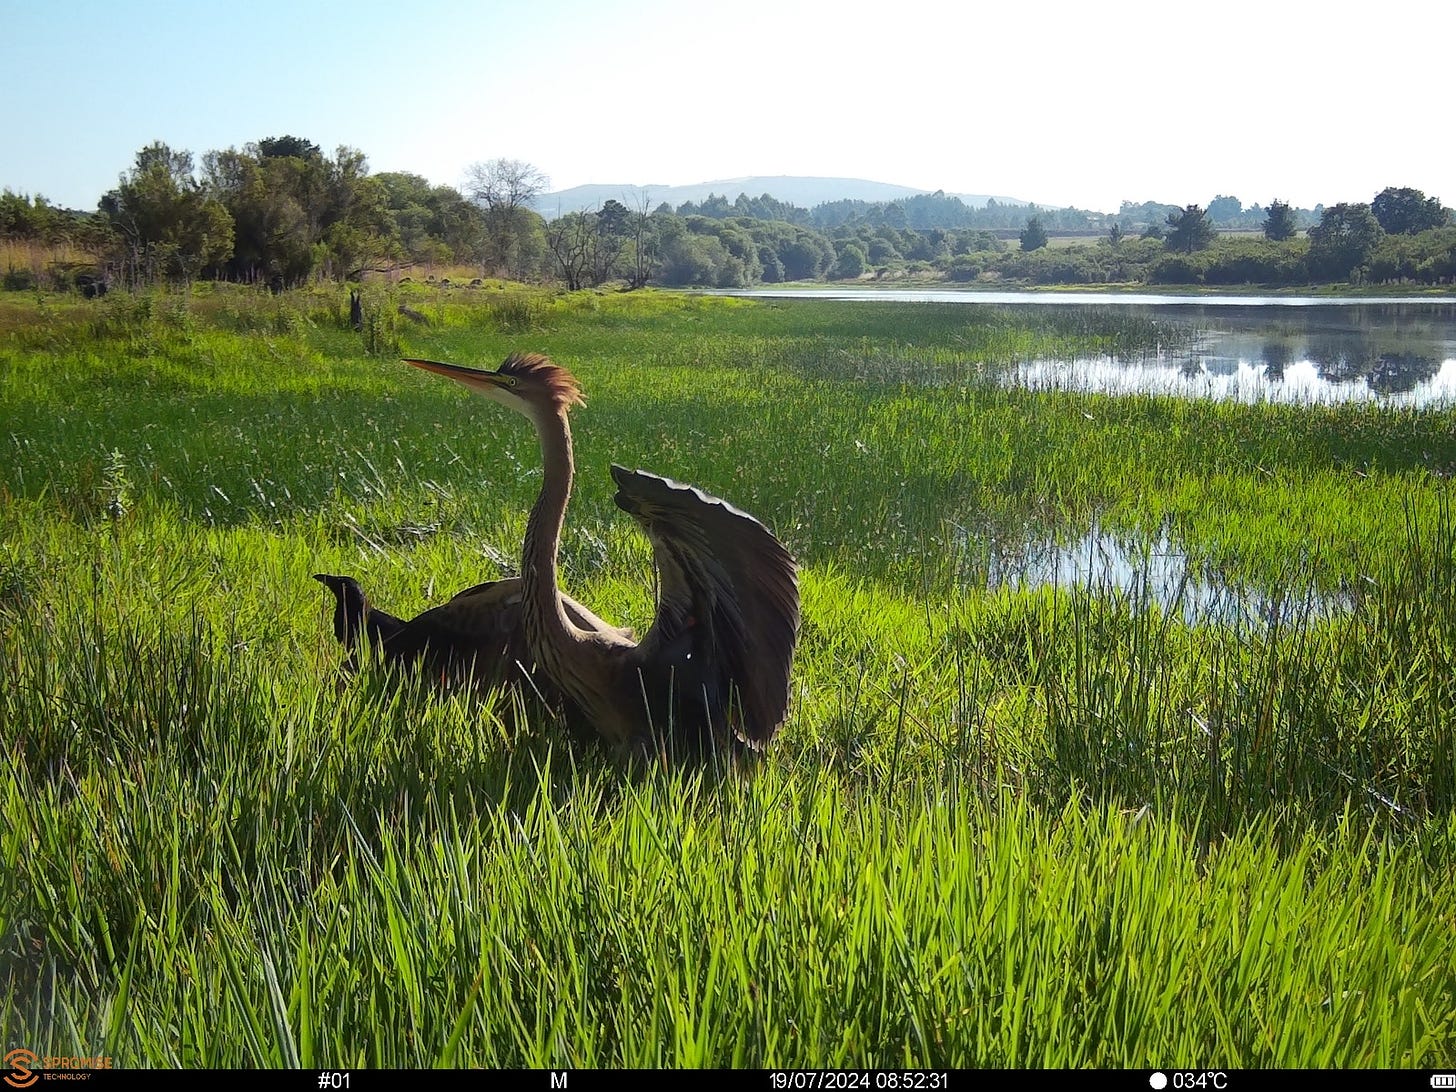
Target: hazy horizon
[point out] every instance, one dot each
(1085, 105)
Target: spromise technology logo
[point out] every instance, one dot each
(20, 1076)
(24, 1064)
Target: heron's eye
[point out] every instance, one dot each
(511, 382)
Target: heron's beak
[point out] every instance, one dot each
(471, 377)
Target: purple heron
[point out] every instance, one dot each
(713, 669)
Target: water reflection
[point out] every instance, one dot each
(1301, 381)
(1397, 373)
(1065, 299)
(1252, 348)
(1397, 353)
(1149, 572)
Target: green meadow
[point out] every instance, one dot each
(1009, 826)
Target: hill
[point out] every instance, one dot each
(796, 190)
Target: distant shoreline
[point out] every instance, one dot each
(1364, 293)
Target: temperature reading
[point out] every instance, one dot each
(1201, 1079)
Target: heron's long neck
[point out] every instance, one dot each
(545, 619)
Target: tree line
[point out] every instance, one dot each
(1401, 236)
(937, 210)
(280, 211)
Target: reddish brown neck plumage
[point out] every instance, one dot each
(547, 628)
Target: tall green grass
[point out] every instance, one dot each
(1046, 827)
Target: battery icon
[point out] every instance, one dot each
(1443, 1080)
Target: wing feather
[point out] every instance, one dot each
(478, 629)
(728, 598)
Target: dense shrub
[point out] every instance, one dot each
(18, 280)
(1176, 269)
(964, 268)
(1071, 265)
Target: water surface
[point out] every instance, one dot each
(1390, 350)
(1073, 299)
(1148, 571)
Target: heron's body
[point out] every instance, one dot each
(477, 635)
(714, 666)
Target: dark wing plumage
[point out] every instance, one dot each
(477, 631)
(354, 615)
(728, 598)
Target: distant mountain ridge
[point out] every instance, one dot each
(805, 192)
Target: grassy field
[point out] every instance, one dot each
(1040, 827)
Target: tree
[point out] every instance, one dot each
(642, 225)
(805, 256)
(692, 258)
(587, 246)
(288, 147)
(1407, 211)
(1279, 223)
(1341, 244)
(768, 262)
(1224, 209)
(268, 198)
(613, 228)
(715, 205)
(505, 188)
(1114, 234)
(456, 222)
(407, 196)
(32, 220)
(1033, 235)
(362, 230)
(297, 213)
(881, 252)
(1188, 230)
(169, 224)
(573, 242)
(505, 183)
(428, 223)
(851, 263)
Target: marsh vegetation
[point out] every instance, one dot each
(1009, 822)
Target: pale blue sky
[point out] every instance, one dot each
(1084, 103)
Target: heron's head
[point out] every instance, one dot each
(528, 383)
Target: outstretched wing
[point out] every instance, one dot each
(476, 632)
(727, 604)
